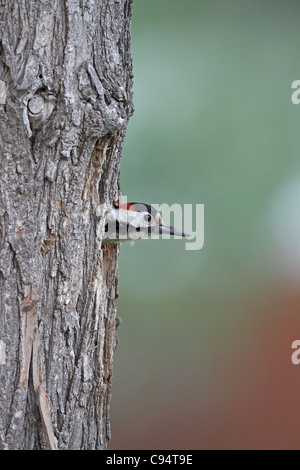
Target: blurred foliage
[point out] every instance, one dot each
(213, 124)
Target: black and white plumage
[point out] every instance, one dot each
(134, 221)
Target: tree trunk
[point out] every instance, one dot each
(65, 100)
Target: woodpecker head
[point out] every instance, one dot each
(135, 220)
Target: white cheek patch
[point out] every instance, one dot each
(138, 225)
(123, 224)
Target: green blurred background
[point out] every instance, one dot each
(204, 359)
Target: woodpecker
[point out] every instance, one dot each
(136, 220)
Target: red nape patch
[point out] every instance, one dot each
(126, 206)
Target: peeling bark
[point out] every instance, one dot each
(65, 100)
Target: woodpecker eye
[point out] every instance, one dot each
(147, 218)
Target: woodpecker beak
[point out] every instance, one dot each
(172, 230)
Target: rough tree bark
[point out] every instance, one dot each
(65, 100)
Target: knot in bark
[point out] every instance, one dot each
(40, 108)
